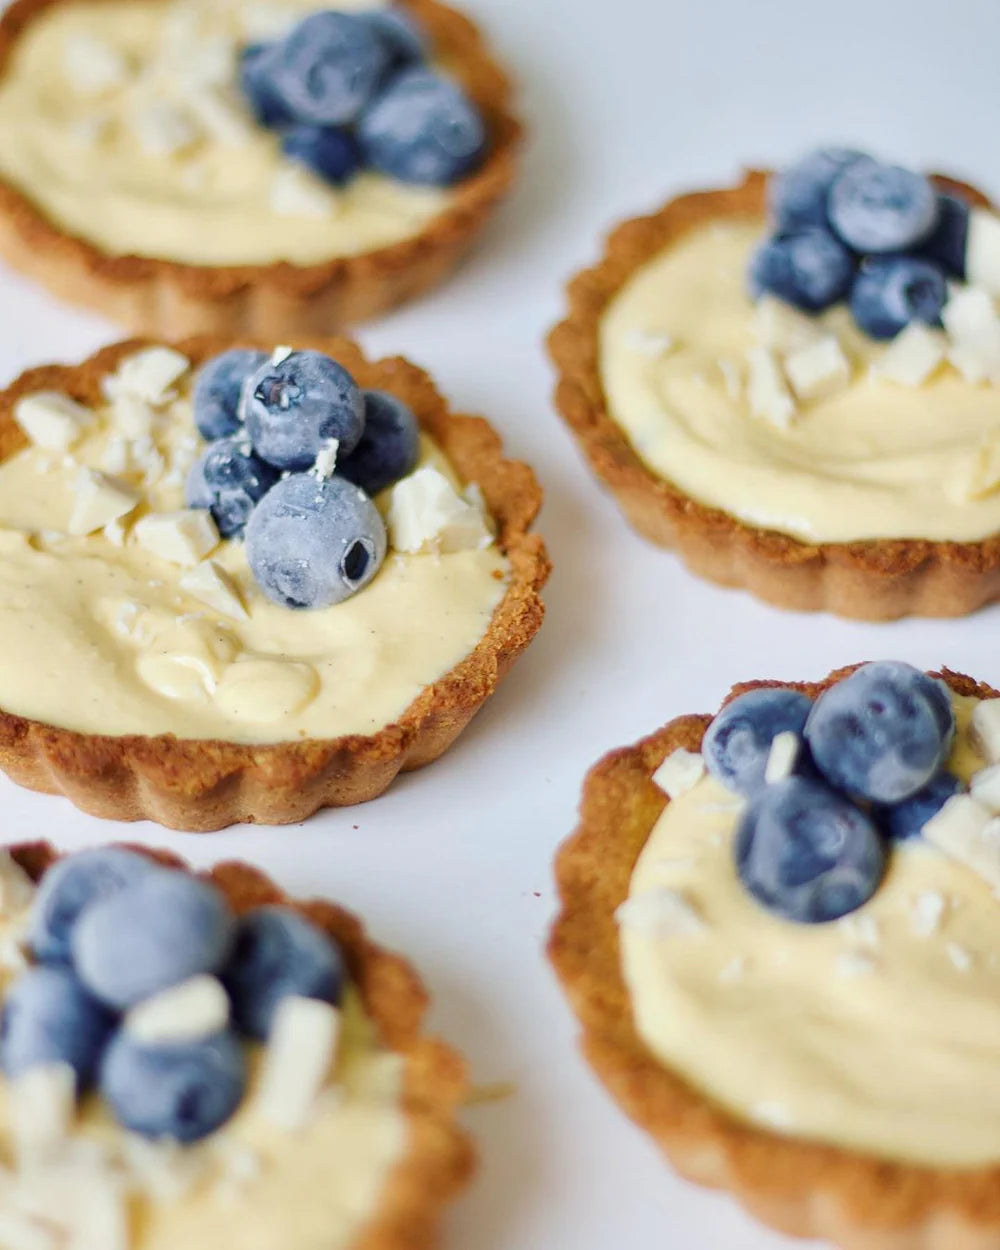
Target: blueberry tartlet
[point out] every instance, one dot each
(778, 931)
(241, 584)
(194, 1059)
(271, 169)
(792, 382)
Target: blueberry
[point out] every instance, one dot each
(70, 886)
(423, 129)
(881, 208)
(279, 953)
(48, 1017)
(294, 407)
(880, 733)
(256, 82)
(229, 479)
(806, 852)
(797, 195)
(327, 151)
(389, 447)
(313, 542)
(907, 819)
(163, 929)
(737, 743)
(182, 1091)
(947, 242)
(891, 291)
(401, 35)
(808, 268)
(217, 390)
(328, 68)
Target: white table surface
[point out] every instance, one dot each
(627, 102)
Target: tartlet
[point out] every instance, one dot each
(149, 295)
(877, 579)
(803, 1187)
(438, 1160)
(201, 785)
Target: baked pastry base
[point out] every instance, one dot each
(203, 785)
(439, 1159)
(167, 299)
(879, 580)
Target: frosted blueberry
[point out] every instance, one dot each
(257, 84)
(328, 68)
(891, 291)
(946, 244)
(48, 1017)
(797, 195)
(217, 390)
(401, 35)
(389, 447)
(881, 208)
(229, 479)
(808, 268)
(327, 151)
(737, 742)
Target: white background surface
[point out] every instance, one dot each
(627, 102)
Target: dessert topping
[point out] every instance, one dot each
(52, 420)
(680, 772)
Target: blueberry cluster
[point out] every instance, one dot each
(110, 929)
(813, 846)
(312, 539)
(350, 90)
(848, 227)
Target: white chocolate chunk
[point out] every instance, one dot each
(662, 912)
(973, 326)
(211, 584)
(982, 250)
(732, 377)
(325, 464)
(985, 729)
(300, 1055)
(221, 117)
(818, 369)
(98, 499)
(194, 1009)
(297, 193)
(131, 415)
(184, 537)
(427, 514)
(150, 375)
(928, 911)
(781, 328)
(114, 532)
(969, 363)
(914, 354)
(985, 788)
(42, 1105)
(767, 394)
(162, 128)
(648, 343)
(961, 959)
(967, 832)
(93, 66)
(782, 757)
(203, 62)
(52, 420)
(114, 458)
(680, 772)
(19, 1231)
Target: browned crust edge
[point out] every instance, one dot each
(439, 1160)
(203, 785)
(161, 297)
(802, 1188)
(880, 580)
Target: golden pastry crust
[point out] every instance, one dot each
(800, 1187)
(167, 298)
(203, 785)
(439, 1160)
(879, 580)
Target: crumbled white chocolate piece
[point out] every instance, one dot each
(850, 964)
(281, 353)
(184, 537)
(42, 1106)
(982, 250)
(967, 832)
(680, 772)
(300, 1055)
(52, 420)
(984, 786)
(662, 912)
(325, 464)
(781, 328)
(93, 66)
(295, 192)
(985, 729)
(973, 326)
(772, 1113)
(114, 457)
(239, 1167)
(221, 117)
(862, 928)
(162, 128)
(961, 959)
(782, 757)
(767, 394)
(150, 374)
(648, 343)
(98, 499)
(426, 513)
(202, 62)
(927, 913)
(818, 370)
(732, 378)
(733, 971)
(210, 584)
(194, 1009)
(132, 416)
(912, 356)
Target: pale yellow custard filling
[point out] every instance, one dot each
(101, 638)
(873, 460)
(144, 166)
(878, 1033)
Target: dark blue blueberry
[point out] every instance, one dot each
(255, 77)
(881, 208)
(70, 886)
(217, 391)
(229, 479)
(400, 33)
(278, 953)
(182, 1091)
(737, 743)
(296, 406)
(389, 447)
(48, 1017)
(947, 243)
(328, 68)
(881, 733)
(907, 819)
(313, 542)
(163, 929)
(808, 268)
(331, 153)
(797, 195)
(891, 291)
(423, 129)
(808, 853)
